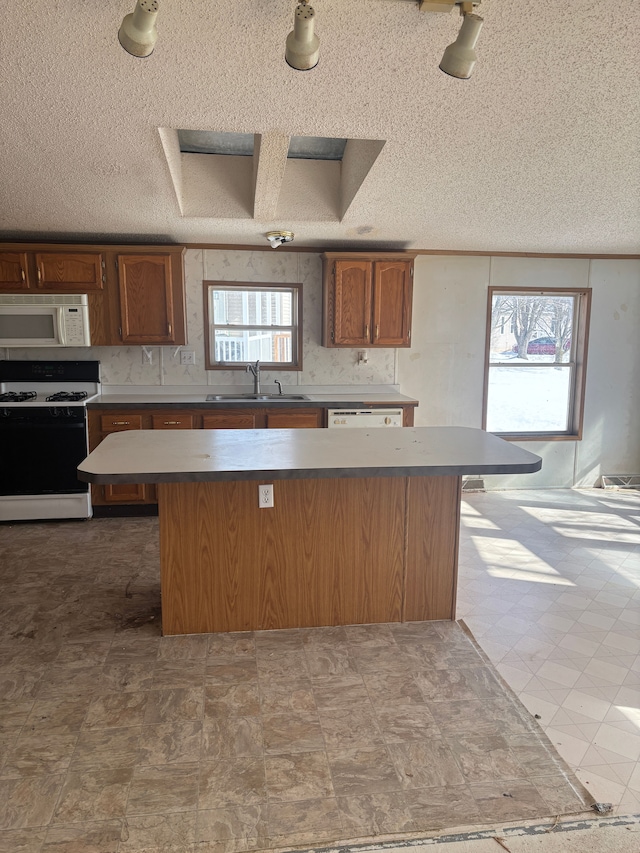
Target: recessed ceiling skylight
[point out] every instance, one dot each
(316, 148)
(212, 142)
(242, 145)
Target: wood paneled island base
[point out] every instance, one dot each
(329, 552)
(363, 528)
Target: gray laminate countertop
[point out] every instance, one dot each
(172, 456)
(197, 400)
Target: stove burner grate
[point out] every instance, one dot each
(67, 397)
(17, 396)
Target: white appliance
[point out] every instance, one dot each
(44, 320)
(43, 436)
(349, 418)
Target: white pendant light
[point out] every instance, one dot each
(137, 33)
(460, 57)
(303, 46)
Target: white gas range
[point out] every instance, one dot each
(43, 434)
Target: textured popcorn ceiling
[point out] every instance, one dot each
(539, 151)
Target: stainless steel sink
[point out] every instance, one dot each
(285, 398)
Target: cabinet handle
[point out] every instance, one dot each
(366, 330)
(22, 273)
(377, 331)
(39, 274)
(169, 325)
(120, 423)
(171, 423)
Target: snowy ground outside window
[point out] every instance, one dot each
(528, 400)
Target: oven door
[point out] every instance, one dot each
(41, 449)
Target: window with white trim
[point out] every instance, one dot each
(536, 362)
(247, 322)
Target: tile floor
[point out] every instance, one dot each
(550, 587)
(111, 738)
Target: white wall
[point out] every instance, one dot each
(444, 368)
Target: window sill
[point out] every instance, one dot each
(536, 436)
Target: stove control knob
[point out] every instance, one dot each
(387, 420)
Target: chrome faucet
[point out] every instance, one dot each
(279, 384)
(255, 370)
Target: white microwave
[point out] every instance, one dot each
(44, 320)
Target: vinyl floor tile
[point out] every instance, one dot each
(121, 740)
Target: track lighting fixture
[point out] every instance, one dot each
(137, 33)
(303, 45)
(460, 57)
(277, 238)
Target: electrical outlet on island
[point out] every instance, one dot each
(265, 497)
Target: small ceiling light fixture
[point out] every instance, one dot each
(303, 45)
(277, 238)
(460, 57)
(137, 33)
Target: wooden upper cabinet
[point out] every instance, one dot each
(392, 298)
(14, 271)
(352, 303)
(151, 299)
(69, 271)
(367, 300)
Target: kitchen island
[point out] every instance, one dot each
(363, 528)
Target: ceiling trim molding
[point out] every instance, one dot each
(235, 247)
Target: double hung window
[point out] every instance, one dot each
(536, 362)
(253, 322)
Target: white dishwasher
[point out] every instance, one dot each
(369, 418)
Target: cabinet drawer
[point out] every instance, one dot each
(116, 423)
(293, 420)
(229, 421)
(172, 421)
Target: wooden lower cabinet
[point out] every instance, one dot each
(230, 420)
(311, 419)
(126, 493)
(173, 421)
(102, 423)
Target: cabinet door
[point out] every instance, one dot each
(69, 271)
(121, 493)
(352, 303)
(146, 299)
(14, 274)
(294, 420)
(392, 296)
(125, 493)
(229, 420)
(170, 421)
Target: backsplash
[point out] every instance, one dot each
(321, 366)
